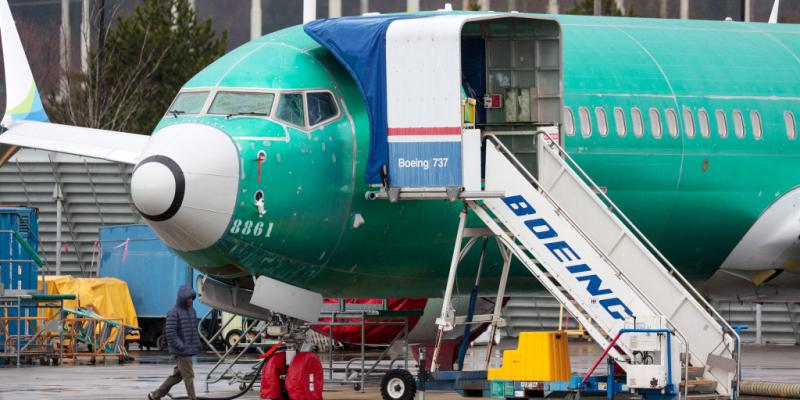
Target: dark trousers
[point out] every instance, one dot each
(183, 372)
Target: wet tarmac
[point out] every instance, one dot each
(110, 380)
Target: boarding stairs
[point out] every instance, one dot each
(585, 252)
(232, 365)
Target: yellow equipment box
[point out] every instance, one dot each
(539, 356)
(468, 112)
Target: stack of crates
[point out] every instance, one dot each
(18, 270)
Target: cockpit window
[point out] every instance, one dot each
(321, 107)
(290, 109)
(188, 103)
(242, 103)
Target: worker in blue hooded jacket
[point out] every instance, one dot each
(183, 342)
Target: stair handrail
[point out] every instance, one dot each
(724, 324)
(209, 376)
(639, 235)
(510, 156)
(650, 246)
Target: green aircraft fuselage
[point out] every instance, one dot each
(694, 196)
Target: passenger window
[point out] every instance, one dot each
(188, 103)
(586, 122)
(688, 122)
(619, 122)
(672, 122)
(655, 123)
(321, 107)
(791, 125)
(602, 121)
(705, 124)
(722, 124)
(638, 122)
(569, 121)
(755, 121)
(738, 123)
(290, 109)
(242, 103)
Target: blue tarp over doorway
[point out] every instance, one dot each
(359, 43)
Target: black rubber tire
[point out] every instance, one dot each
(229, 338)
(403, 385)
(472, 393)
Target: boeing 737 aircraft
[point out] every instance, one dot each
(260, 166)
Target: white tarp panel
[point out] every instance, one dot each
(423, 74)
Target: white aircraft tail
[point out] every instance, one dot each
(773, 16)
(25, 123)
(23, 102)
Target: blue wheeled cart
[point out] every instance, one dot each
(476, 383)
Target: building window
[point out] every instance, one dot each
(755, 121)
(569, 121)
(602, 121)
(619, 122)
(586, 122)
(791, 126)
(655, 123)
(738, 124)
(722, 124)
(705, 124)
(672, 122)
(638, 122)
(688, 122)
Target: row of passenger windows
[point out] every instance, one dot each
(319, 106)
(654, 117)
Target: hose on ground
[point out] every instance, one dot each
(774, 390)
(256, 376)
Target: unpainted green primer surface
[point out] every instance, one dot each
(694, 198)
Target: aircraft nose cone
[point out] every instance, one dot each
(157, 188)
(186, 184)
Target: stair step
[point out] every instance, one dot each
(700, 386)
(695, 373)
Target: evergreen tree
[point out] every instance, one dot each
(145, 59)
(586, 7)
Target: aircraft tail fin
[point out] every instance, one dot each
(23, 102)
(25, 123)
(773, 16)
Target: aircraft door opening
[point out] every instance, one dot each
(518, 59)
(449, 82)
(517, 78)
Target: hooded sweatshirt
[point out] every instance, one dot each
(181, 325)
